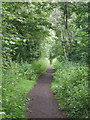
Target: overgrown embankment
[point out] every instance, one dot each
(18, 79)
(71, 88)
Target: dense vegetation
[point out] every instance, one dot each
(34, 33)
(17, 81)
(71, 88)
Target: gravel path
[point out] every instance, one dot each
(42, 102)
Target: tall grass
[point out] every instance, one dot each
(71, 87)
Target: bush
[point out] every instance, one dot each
(71, 87)
(55, 63)
(28, 71)
(18, 79)
(41, 66)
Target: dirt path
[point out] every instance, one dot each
(43, 103)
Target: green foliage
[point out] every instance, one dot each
(72, 42)
(34, 32)
(41, 65)
(71, 87)
(17, 81)
(28, 71)
(24, 26)
(55, 63)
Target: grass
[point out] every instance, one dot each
(16, 84)
(18, 80)
(15, 88)
(26, 85)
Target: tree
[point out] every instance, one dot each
(25, 26)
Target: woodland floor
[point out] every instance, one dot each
(42, 102)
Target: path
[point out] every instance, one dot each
(43, 103)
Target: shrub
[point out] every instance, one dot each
(41, 66)
(71, 87)
(55, 63)
(28, 71)
(18, 79)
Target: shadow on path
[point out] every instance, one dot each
(42, 102)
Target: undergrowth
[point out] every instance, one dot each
(18, 80)
(55, 63)
(71, 88)
(41, 66)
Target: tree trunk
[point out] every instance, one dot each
(66, 26)
(66, 15)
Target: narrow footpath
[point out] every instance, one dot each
(42, 102)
